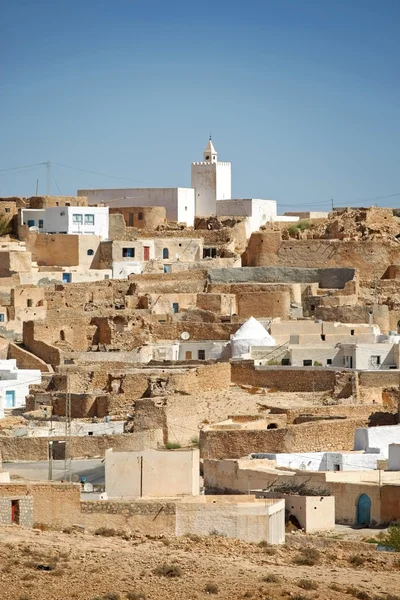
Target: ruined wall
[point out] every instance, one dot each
(371, 258)
(187, 282)
(321, 436)
(52, 201)
(390, 502)
(284, 379)
(26, 360)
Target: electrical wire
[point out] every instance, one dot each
(97, 173)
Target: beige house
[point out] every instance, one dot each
(152, 473)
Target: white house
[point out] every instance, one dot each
(211, 181)
(89, 220)
(179, 202)
(257, 212)
(14, 384)
(250, 334)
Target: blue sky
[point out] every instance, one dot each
(302, 96)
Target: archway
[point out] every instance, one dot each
(363, 510)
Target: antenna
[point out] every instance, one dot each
(48, 181)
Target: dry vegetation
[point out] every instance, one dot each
(46, 565)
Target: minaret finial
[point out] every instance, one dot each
(210, 136)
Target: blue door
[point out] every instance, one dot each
(66, 278)
(167, 268)
(10, 398)
(364, 510)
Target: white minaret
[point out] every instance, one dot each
(211, 181)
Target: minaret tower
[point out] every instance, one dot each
(211, 180)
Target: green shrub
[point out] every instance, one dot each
(293, 229)
(317, 363)
(392, 538)
(195, 442)
(166, 570)
(172, 445)
(303, 225)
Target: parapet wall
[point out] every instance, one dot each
(284, 379)
(320, 436)
(327, 278)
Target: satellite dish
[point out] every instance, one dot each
(75, 478)
(185, 335)
(88, 487)
(33, 228)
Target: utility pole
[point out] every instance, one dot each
(68, 411)
(332, 202)
(48, 181)
(51, 460)
(37, 186)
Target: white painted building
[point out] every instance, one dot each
(324, 461)
(256, 211)
(250, 334)
(14, 384)
(376, 439)
(211, 181)
(179, 202)
(88, 220)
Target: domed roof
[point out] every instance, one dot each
(252, 330)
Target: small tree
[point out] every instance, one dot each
(393, 537)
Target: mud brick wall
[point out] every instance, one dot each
(264, 304)
(284, 379)
(15, 449)
(320, 436)
(26, 360)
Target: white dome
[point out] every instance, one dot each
(251, 333)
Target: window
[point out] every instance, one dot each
(40, 223)
(1, 317)
(312, 307)
(7, 210)
(185, 207)
(128, 252)
(307, 363)
(351, 331)
(375, 361)
(77, 219)
(68, 204)
(209, 252)
(89, 219)
(31, 223)
(201, 354)
(29, 303)
(90, 252)
(329, 361)
(323, 337)
(336, 467)
(140, 216)
(165, 253)
(175, 307)
(285, 362)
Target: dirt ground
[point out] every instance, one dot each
(84, 566)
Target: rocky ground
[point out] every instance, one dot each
(38, 565)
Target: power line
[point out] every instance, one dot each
(22, 167)
(100, 174)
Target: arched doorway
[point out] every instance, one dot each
(363, 510)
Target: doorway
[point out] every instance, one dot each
(15, 511)
(146, 252)
(364, 510)
(188, 355)
(10, 398)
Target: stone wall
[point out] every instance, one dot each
(24, 514)
(390, 499)
(320, 436)
(37, 448)
(264, 304)
(284, 379)
(147, 517)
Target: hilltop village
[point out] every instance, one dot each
(230, 372)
